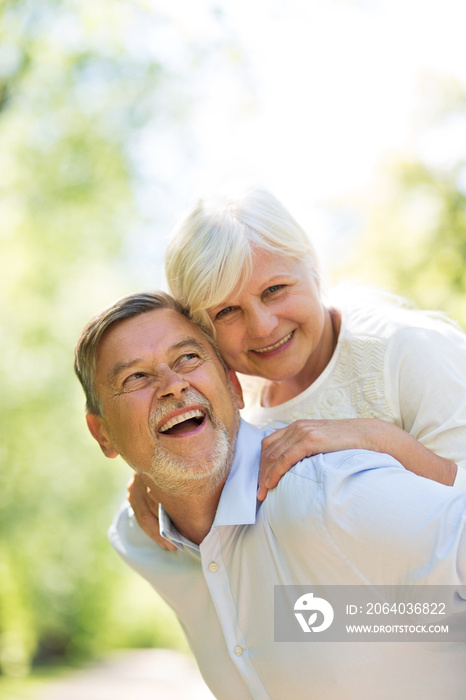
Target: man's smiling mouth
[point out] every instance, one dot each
(183, 422)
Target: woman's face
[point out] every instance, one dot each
(274, 327)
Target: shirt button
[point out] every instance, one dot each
(213, 566)
(238, 651)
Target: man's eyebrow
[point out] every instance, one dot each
(185, 343)
(189, 343)
(120, 366)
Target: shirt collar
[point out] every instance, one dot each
(170, 533)
(238, 503)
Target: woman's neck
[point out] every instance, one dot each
(276, 393)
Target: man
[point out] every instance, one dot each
(159, 395)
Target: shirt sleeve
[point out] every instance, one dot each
(460, 479)
(394, 526)
(425, 377)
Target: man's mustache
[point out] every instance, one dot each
(161, 412)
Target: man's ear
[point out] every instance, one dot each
(99, 432)
(237, 389)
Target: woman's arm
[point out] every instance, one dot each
(285, 447)
(304, 438)
(425, 373)
(425, 384)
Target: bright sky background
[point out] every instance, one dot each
(317, 93)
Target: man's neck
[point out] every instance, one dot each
(193, 515)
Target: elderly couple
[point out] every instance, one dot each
(370, 396)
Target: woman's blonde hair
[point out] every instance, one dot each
(209, 255)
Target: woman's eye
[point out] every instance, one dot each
(224, 312)
(275, 288)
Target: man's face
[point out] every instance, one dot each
(168, 407)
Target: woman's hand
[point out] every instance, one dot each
(285, 447)
(146, 509)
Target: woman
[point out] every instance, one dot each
(367, 375)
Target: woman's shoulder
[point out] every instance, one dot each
(373, 313)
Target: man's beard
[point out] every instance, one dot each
(183, 476)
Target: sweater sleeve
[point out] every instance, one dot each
(425, 379)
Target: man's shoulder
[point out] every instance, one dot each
(322, 481)
(125, 535)
(342, 464)
(142, 554)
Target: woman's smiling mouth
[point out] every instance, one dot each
(275, 346)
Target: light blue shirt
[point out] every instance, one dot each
(352, 517)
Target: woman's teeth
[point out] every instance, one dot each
(276, 345)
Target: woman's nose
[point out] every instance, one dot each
(261, 322)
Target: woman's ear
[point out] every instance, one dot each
(99, 432)
(237, 389)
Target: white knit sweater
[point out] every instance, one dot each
(403, 366)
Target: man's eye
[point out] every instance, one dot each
(132, 378)
(189, 356)
(188, 361)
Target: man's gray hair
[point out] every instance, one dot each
(85, 357)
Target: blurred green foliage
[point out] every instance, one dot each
(80, 81)
(76, 92)
(412, 222)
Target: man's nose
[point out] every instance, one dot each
(170, 383)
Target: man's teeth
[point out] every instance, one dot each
(277, 345)
(180, 418)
